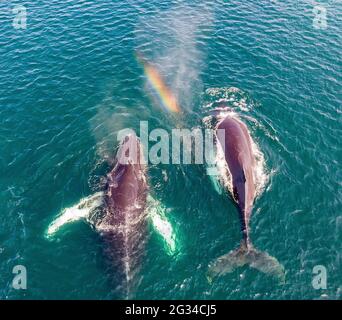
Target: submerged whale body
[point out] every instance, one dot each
(236, 144)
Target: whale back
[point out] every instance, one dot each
(124, 225)
(240, 161)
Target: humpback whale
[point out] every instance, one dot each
(122, 221)
(236, 144)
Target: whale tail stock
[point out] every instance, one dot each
(246, 255)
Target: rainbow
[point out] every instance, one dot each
(156, 81)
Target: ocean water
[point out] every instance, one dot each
(70, 81)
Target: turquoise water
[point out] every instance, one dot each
(70, 81)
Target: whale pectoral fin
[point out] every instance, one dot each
(240, 177)
(243, 176)
(235, 194)
(81, 210)
(157, 213)
(239, 180)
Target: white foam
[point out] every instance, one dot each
(259, 173)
